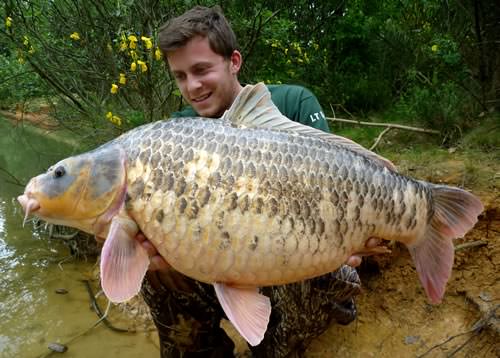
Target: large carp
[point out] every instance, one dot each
(249, 200)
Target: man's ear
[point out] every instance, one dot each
(236, 62)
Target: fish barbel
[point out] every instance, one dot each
(249, 200)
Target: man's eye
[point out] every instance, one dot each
(59, 172)
(179, 76)
(201, 71)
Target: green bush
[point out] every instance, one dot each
(19, 83)
(444, 107)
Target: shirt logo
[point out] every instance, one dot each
(317, 116)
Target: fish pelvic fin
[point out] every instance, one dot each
(455, 213)
(254, 108)
(124, 261)
(247, 309)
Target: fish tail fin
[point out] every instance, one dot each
(455, 213)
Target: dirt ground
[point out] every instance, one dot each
(40, 118)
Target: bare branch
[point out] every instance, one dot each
(390, 125)
(380, 137)
(468, 245)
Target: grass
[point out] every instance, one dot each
(473, 162)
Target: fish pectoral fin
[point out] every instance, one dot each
(247, 309)
(124, 261)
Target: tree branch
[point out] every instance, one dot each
(388, 125)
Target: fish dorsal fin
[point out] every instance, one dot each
(253, 108)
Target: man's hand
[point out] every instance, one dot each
(158, 263)
(355, 260)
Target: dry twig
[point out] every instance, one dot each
(388, 125)
(380, 137)
(468, 245)
(98, 311)
(489, 319)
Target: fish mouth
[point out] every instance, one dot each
(29, 204)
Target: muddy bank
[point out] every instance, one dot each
(40, 119)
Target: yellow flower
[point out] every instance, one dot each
(26, 41)
(143, 65)
(123, 46)
(123, 79)
(31, 51)
(158, 54)
(435, 48)
(20, 60)
(133, 41)
(8, 22)
(114, 89)
(75, 36)
(147, 42)
(133, 66)
(116, 120)
(133, 54)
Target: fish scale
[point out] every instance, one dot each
(244, 214)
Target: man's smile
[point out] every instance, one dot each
(201, 98)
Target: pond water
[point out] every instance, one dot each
(33, 267)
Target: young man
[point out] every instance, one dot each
(201, 52)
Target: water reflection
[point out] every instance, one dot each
(31, 313)
(23, 255)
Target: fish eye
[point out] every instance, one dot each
(59, 172)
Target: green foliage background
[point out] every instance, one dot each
(429, 62)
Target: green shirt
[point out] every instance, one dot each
(294, 102)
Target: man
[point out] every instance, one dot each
(201, 52)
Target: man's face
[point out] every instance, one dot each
(206, 80)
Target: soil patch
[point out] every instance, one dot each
(39, 118)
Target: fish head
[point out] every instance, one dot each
(78, 190)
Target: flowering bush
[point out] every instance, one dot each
(101, 57)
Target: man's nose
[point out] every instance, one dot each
(193, 83)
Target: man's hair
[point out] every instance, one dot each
(199, 21)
